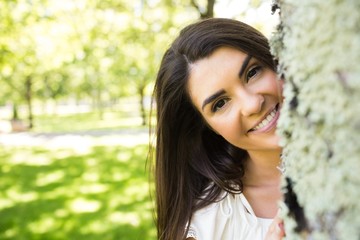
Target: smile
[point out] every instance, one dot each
(268, 122)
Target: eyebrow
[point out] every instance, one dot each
(244, 65)
(222, 91)
(212, 98)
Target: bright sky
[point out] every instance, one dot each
(260, 18)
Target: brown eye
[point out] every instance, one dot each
(253, 72)
(219, 104)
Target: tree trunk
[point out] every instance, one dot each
(96, 94)
(16, 124)
(99, 101)
(15, 113)
(318, 47)
(141, 91)
(209, 10)
(28, 96)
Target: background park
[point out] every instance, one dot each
(76, 79)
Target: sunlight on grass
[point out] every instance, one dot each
(93, 188)
(91, 176)
(65, 194)
(10, 233)
(17, 196)
(44, 179)
(46, 223)
(82, 205)
(89, 120)
(123, 156)
(59, 192)
(6, 203)
(95, 227)
(61, 213)
(138, 191)
(23, 158)
(130, 218)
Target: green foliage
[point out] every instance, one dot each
(98, 50)
(97, 193)
(107, 49)
(319, 122)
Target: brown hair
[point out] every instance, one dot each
(193, 164)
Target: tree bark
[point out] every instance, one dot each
(28, 96)
(141, 92)
(15, 114)
(209, 10)
(318, 48)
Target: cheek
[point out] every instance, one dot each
(231, 138)
(278, 91)
(277, 84)
(270, 85)
(228, 129)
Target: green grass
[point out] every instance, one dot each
(109, 120)
(63, 194)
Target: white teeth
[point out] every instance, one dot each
(266, 120)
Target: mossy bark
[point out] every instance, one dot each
(318, 48)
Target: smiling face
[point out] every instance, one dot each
(239, 98)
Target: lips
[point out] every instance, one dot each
(268, 122)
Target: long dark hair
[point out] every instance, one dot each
(193, 164)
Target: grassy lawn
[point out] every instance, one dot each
(60, 193)
(110, 120)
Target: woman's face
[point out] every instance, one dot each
(239, 97)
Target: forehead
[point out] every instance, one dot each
(213, 73)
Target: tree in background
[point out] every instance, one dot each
(318, 47)
(205, 12)
(88, 51)
(17, 58)
(94, 51)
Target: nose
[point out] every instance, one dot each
(250, 102)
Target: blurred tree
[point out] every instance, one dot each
(97, 50)
(18, 55)
(205, 12)
(145, 39)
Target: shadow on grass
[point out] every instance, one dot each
(61, 194)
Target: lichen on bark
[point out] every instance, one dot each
(317, 45)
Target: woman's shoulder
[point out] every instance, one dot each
(211, 220)
(213, 206)
(229, 218)
(203, 221)
(223, 206)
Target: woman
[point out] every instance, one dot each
(218, 100)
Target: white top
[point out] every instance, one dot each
(232, 218)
